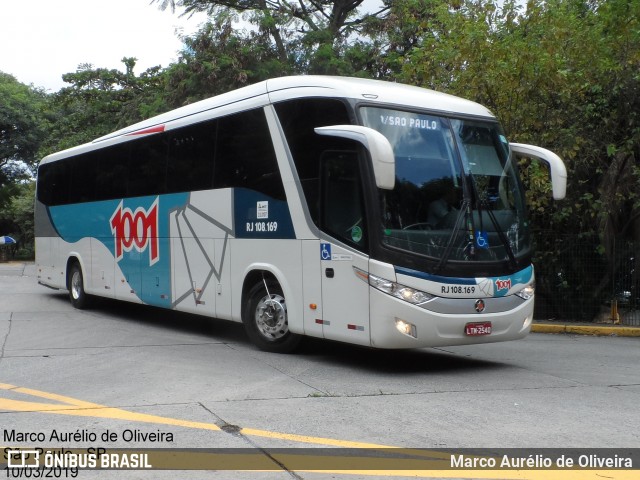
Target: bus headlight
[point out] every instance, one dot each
(527, 292)
(412, 296)
(394, 289)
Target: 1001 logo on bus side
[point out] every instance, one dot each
(136, 229)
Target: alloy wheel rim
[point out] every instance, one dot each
(271, 317)
(76, 285)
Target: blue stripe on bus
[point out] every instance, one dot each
(501, 285)
(149, 277)
(435, 278)
(93, 220)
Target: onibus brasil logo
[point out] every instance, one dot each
(136, 229)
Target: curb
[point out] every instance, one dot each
(599, 330)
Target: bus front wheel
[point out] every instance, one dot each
(77, 295)
(265, 318)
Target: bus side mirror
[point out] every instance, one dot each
(558, 170)
(382, 157)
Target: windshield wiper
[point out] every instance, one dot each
(481, 201)
(464, 211)
(503, 238)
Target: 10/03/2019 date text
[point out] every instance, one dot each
(41, 472)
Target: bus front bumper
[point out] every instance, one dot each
(398, 324)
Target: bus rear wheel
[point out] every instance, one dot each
(265, 318)
(77, 295)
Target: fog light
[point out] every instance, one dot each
(406, 328)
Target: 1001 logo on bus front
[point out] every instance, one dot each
(136, 229)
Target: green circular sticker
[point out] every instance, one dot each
(356, 234)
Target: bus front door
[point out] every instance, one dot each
(345, 296)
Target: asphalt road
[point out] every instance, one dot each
(122, 375)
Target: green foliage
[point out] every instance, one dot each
(16, 218)
(21, 133)
(218, 59)
(560, 74)
(306, 36)
(101, 100)
(570, 284)
(21, 130)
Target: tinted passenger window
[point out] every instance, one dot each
(233, 151)
(113, 172)
(148, 166)
(191, 154)
(245, 155)
(53, 183)
(83, 174)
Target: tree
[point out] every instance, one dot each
(16, 218)
(310, 36)
(559, 73)
(100, 100)
(217, 59)
(21, 130)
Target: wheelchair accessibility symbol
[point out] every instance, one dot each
(325, 251)
(482, 239)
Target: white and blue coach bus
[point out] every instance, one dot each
(354, 210)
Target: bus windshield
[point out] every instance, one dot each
(457, 195)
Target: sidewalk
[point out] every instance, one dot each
(600, 329)
(14, 268)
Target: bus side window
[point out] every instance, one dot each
(83, 179)
(54, 182)
(148, 166)
(191, 153)
(113, 165)
(245, 157)
(342, 206)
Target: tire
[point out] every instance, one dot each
(77, 295)
(265, 319)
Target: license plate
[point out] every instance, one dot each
(477, 329)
